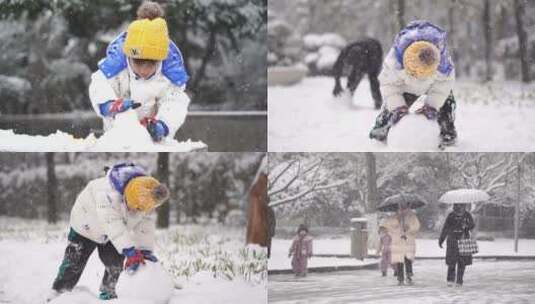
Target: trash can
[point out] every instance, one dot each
(359, 237)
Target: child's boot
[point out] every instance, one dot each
(446, 119)
(107, 295)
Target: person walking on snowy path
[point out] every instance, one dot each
(458, 225)
(114, 215)
(403, 227)
(301, 251)
(143, 70)
(385, 249)
(418, 64)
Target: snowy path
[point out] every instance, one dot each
(306, 117)
(485, 282)
(424, 248)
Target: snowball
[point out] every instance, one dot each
(149, 283)
(414, 132)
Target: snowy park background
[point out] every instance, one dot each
(326, 190)
(491, 42)
(200, 240)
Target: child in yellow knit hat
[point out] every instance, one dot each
(143, 70)
(418, 64)
(113, 215)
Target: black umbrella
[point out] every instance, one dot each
(391, 203)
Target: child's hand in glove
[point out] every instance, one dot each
(157, 129)
(111, 108)
(134, 258)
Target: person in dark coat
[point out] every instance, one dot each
(458, 225)
(361, 57)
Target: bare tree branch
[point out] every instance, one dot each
(274, 180)
(303, 193)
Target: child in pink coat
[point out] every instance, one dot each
(385, 241)
(301, 250)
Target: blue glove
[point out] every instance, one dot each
(134, 258)
(157, 129)
(148, 255)
(111, 108)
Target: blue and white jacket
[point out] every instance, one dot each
(161, 96)
(101, 214)
(395, 81)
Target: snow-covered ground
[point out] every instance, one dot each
(127, 135)
(484, 282)
(306, 117)
(424, 248)
(209, 262)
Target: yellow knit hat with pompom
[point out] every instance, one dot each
(421, 59)
(147, 39)
(144, 193)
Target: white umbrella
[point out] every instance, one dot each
(464, 196)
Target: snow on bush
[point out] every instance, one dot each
(284, 45)
(14, 93)
(150, 283)
(322, 51)
(326, 57)
(188, 250)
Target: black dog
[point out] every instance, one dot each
(362, 57)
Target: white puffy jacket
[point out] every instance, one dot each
(101, 215)
(159, 97)
(395, 81)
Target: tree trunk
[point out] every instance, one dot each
(371, 177)
(209, 53)
(522, 40)
(371, 206)
(400, 14)
(163, 176)
(51, 188)
(488, 40)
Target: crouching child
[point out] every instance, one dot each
(418, 64)
(113, 215)
(143, 70)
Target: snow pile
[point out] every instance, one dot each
(126, 135)
(150, 282)
(414, 133)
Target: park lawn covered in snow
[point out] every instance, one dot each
(126, 135)
(306, 117)
(208, 261)
(424, 248)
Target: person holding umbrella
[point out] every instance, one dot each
(458, 225)
(403, 227)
